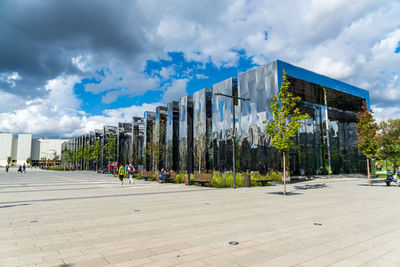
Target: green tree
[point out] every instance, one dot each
(68, 156)
(87, 154)
(78, 155)
(96, 152)
(285, 123)
(29, 160)
(367, 130)
(389, 141)
(43, 160)
(56, 158)
(109, 148)
(8, 160)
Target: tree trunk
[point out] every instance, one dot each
(284, 173)
(369, 176)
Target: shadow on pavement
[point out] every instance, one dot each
(16, 205)
(287, 193)
(310, 186)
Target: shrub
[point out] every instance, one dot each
(221, 180)
(138, 176)
(180, 178)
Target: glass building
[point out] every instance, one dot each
(159, 134)
(172, 136)
(222, 123)
(186, 134)
(148, 120)
(202, 130)
(137, 142)
(198, 129)
(326, 139)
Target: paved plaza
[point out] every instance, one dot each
(86, 219)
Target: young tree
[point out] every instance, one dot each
(109, 148)
(78, 155)
(43, 160)
(367, 130)
(96, 152)
(285, 123)
(56, 158)
(389, 141)
(8, 160)
(68, 156)
(87, 154)
(29, 160)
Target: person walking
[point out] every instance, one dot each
(121, 173)
(24, 168)
(7, 167)
(131, 170)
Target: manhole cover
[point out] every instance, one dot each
(233, 243)
(318, 224)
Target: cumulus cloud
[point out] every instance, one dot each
(175, 90)
(50, 45)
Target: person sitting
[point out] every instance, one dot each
(20, 169)
(163, 174)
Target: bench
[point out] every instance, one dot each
(264, 181)
(202, 178)
(171, 177)
(147, 175)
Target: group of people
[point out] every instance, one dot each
(21, 169)
(163, 175)
(127, 169)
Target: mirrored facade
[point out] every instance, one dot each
(159, 135)
(137, 141)
(202, 130)
(198, 130)
(148, 120)
(186, 134)
(172, 136)
(222, 123)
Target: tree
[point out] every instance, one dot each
(78, 155)
(56, 158)
(285, 123)
(389, 141)
(87, 154)
(8, 160)
(367, 130)
(109, 148)
(68, 155)
(29, 160)
(96, 152)
(43, 160)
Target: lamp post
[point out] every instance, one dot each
(233, 132)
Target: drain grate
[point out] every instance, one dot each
(318, 224)
(136, 210)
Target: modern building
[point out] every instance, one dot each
(198, 130)
(172, 136)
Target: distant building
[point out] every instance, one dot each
(20, 147)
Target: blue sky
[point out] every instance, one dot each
(200, 75)
(69, 67)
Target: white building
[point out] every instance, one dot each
(6, 143)
(24, 146)
(46, 148)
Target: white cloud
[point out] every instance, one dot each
(201, 76)
(10, 78)
(175, 90)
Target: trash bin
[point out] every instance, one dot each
(247, 181)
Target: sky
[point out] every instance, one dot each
(69, 67)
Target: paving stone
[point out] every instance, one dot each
(87, 219)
